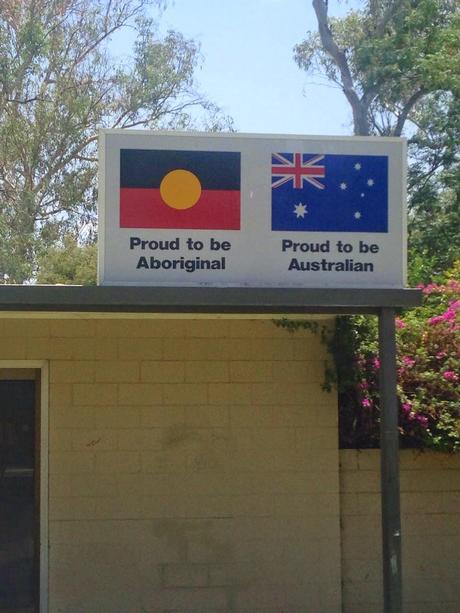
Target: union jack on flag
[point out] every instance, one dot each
(294, 167)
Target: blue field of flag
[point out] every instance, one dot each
(329, 193)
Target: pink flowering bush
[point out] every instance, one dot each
(428, 362)
(428, 369)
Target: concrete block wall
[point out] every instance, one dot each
(193, 465)
(430, 520)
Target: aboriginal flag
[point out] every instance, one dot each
(179, 189)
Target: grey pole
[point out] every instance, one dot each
(389, 458)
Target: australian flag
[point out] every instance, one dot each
(329, 193)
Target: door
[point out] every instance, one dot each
(19, 486)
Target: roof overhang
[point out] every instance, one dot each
(194, 300)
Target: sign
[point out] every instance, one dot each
(232, 210)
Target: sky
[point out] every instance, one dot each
(248, 67)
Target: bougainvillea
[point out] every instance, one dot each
(428, 369)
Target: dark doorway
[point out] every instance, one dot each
(18, 496)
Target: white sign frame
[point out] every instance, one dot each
(255, 258)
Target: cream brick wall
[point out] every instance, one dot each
(430, 518)
(193, 466)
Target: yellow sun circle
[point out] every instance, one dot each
(180, 189)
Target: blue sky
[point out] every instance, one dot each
(248, 68)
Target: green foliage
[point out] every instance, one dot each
(403, 63)
(59, 82)
(68, 264)
(397, 51)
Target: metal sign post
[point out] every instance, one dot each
(389, 453)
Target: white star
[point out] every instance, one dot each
(357, 215)
(357, 166)
(362, 194)
(370, 182)
(300, 210)
(343, 185)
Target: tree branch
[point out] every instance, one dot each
(359, 109)
(406, 110)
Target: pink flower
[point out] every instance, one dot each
(407, 361)
(441, 354)
(406, 407)
(376, 363)
(435, 320)
(431, 288)
(450, 375)
(422, 420)
(366, 403)
(400, 323)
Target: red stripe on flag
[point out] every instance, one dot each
(144, 208)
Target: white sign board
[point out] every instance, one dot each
(223, 210)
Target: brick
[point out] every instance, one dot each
(430, 480)
(162, 416)
(117, 462)
(255, 328)
(184, 575)
(117, 417)
(275, 349)
(286, 393)
(76, 508)
(348, 459)
(140, 328)
(26, 328)
(192, 599)
(361, 481)
(185, 393)
(138, 394)
(140, 348)
(60, 395)
(67, 416)
(163, 372)
(207, 416)
(72, 328)
(207, 328)
(105, 348)
(194, 349)
(139, 439)
(206, 371)
(118, 507)
(60, 348)
(304, 349)
(241, 371)
(230, 393)
(95, 393)
(94, 439)
(82, 485)
(60, 440)
(72, 371)
(117, 371)
(163, 461)
(254, 415)
(299, 372)
(15, 349)
(70, 462)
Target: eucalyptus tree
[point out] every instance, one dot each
(62, 76)
(397, 63)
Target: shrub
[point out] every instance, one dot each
(428, 367)
(428, 363)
